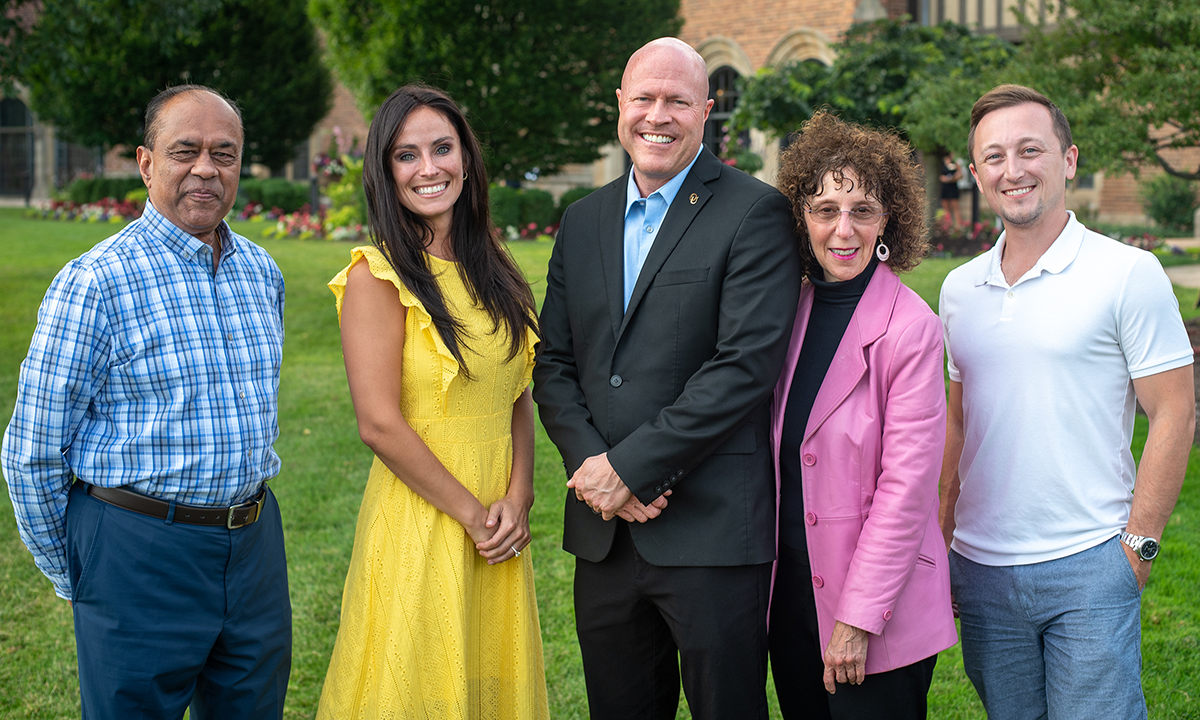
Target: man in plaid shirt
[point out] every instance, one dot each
(141, 441)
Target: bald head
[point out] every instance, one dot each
(670, 51)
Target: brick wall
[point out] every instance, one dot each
(757, 27)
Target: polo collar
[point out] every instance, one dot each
(1058, 257)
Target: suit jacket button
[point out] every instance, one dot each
(658, 488)
(810, 518)
(818, 581)
(810, 459)
(615, 381)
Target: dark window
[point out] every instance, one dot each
(16, 148)
(722, 90)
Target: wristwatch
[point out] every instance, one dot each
(1145, 547)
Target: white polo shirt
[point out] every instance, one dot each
(1048, 405)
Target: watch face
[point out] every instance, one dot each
(1149, 549)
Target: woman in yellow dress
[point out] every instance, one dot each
(439, 617)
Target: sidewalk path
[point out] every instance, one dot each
(1187, 276)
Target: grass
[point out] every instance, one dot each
(325, 469)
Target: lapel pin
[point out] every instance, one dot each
(694, 198)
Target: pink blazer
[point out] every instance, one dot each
(870, 460)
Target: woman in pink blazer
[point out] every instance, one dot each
(860, 603)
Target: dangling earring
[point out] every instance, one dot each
(881, 251)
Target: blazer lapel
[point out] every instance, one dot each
(679, 218)
(611, 237)
(867, 324)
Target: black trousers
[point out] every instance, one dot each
(641, 625)
(798, 668)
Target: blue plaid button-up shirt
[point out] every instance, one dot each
(147, 370)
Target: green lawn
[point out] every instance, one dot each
(325, 469)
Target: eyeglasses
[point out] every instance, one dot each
(828, 215)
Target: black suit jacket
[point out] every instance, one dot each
(677, 388)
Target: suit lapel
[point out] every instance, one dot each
(611, 237)
(679, 218)
(867, 324)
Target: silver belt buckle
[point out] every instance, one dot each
(257, 503)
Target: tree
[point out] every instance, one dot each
(15, 18)
(882, 68)
(535, 77)
(1125, 75)
(92, 65)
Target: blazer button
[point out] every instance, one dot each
(818, 581)
(810, 518)
(887, 614)
(658, 488)
(615, 381)
(810, 459)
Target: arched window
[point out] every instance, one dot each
(16, 148)
(722, 90)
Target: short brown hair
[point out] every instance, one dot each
(1003, 96)
(884, 165)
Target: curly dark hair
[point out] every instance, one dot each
(883, 163)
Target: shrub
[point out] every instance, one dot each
(537, 208)
(285, 195)
(505, 205)
(346, 195)
(92, 190)
(1171, 202)
(569, 197)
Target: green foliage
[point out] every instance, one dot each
(90, 190)
(1125, 75)
(347, 195)
(139, 195)
(1170, 202)
(882, 69)
(535, 77)
(537, 207)
(505, 205)
(93, 65)
(13, 30)
(275, 193)
(569, 197)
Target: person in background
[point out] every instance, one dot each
(141, 442)
(1053, 336)
(861, 602)
(949, 176)
(439, 618)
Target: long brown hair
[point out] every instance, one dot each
(488, 271)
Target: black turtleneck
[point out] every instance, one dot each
(833, 306)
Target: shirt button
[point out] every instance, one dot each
(1011, 293)
(818, 581)
(615, 381)
(649, 229)
(241, 395)
(887, 614)
(229, 336)
(810, 459)
(810, 518)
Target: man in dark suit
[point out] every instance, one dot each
(669, 305)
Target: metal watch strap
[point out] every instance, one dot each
(1136, 542)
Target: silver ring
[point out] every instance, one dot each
(516, 552)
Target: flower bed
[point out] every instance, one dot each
(104, 210)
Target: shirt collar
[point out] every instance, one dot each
(181, 241)
(667, 192)
(1058, 257)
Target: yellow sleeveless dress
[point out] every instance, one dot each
(428, 629)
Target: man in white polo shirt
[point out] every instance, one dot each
(1049, 336)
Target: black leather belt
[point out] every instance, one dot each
(231, 517)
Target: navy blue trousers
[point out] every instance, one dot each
(169, 615)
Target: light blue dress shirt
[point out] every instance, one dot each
(643, 219)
